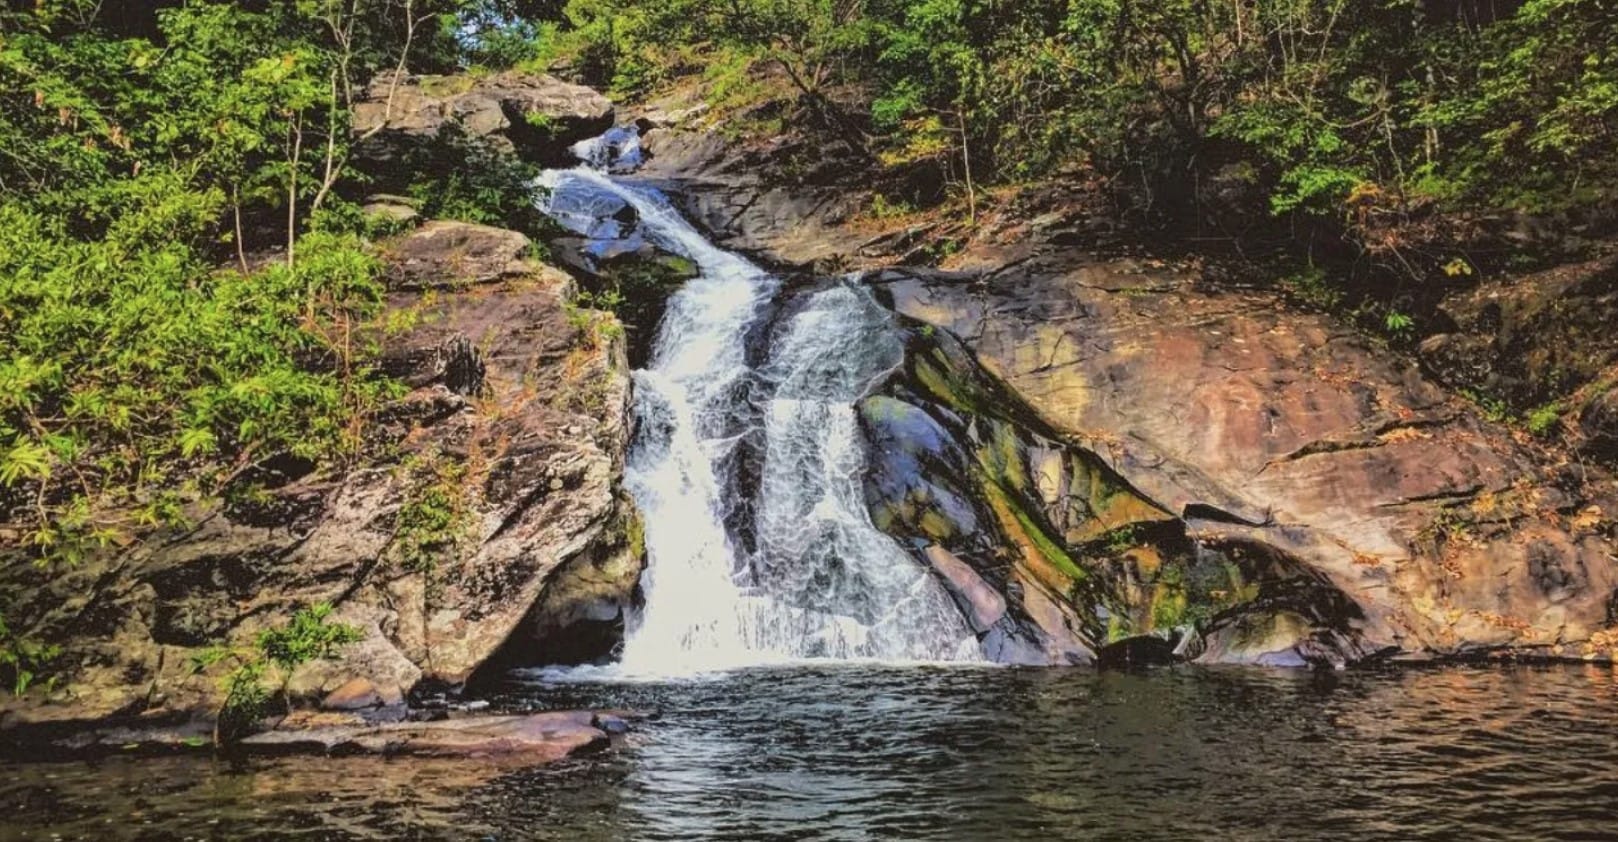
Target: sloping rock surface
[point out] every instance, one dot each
(1261, 427)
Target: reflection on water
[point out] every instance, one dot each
(862, 752)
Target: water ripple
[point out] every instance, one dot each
(927, 752)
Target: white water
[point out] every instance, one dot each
(823, 582)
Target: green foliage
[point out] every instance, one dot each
(1122, 539)
(884, 208)
(1543, 420)
(133, 368)
(309, 636)
(260, 673)
(436, 516)
(247, 700)
(633, 288)
(137, 377)
(1493, 408)
(1310, 286)
(1398, 324)
(23, 660)
(1354, 116)
(462, 178)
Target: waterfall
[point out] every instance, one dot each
(817, 579)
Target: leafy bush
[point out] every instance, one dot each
(436, 516)
(308, 636)
(22, 659)
(141, 151)
(134, 377)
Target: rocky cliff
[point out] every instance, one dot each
(484, 524)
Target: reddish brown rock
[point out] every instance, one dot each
(539, 737)
(1261, 426)
(361, 694)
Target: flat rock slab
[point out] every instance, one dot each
(446, 254)
(542, 737)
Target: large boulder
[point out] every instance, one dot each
(488, 506)
(1369, 512)
(535, 115)
(446, 254)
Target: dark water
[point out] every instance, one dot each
(930, 753)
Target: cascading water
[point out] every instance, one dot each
(820, 581)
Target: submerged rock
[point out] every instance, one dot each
(525, 738)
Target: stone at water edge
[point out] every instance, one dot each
(986, 604)
(541, 737)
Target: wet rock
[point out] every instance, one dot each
(745, 204)
(611, 724)
(1279, 639)
(152, 734)
(982, 605)
(1138, 652)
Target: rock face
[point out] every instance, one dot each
(535, 115)
(1298, 480)
(1529, 339)
(1117, 450)
(1540, 344)
(736, 199)
(509, 445)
